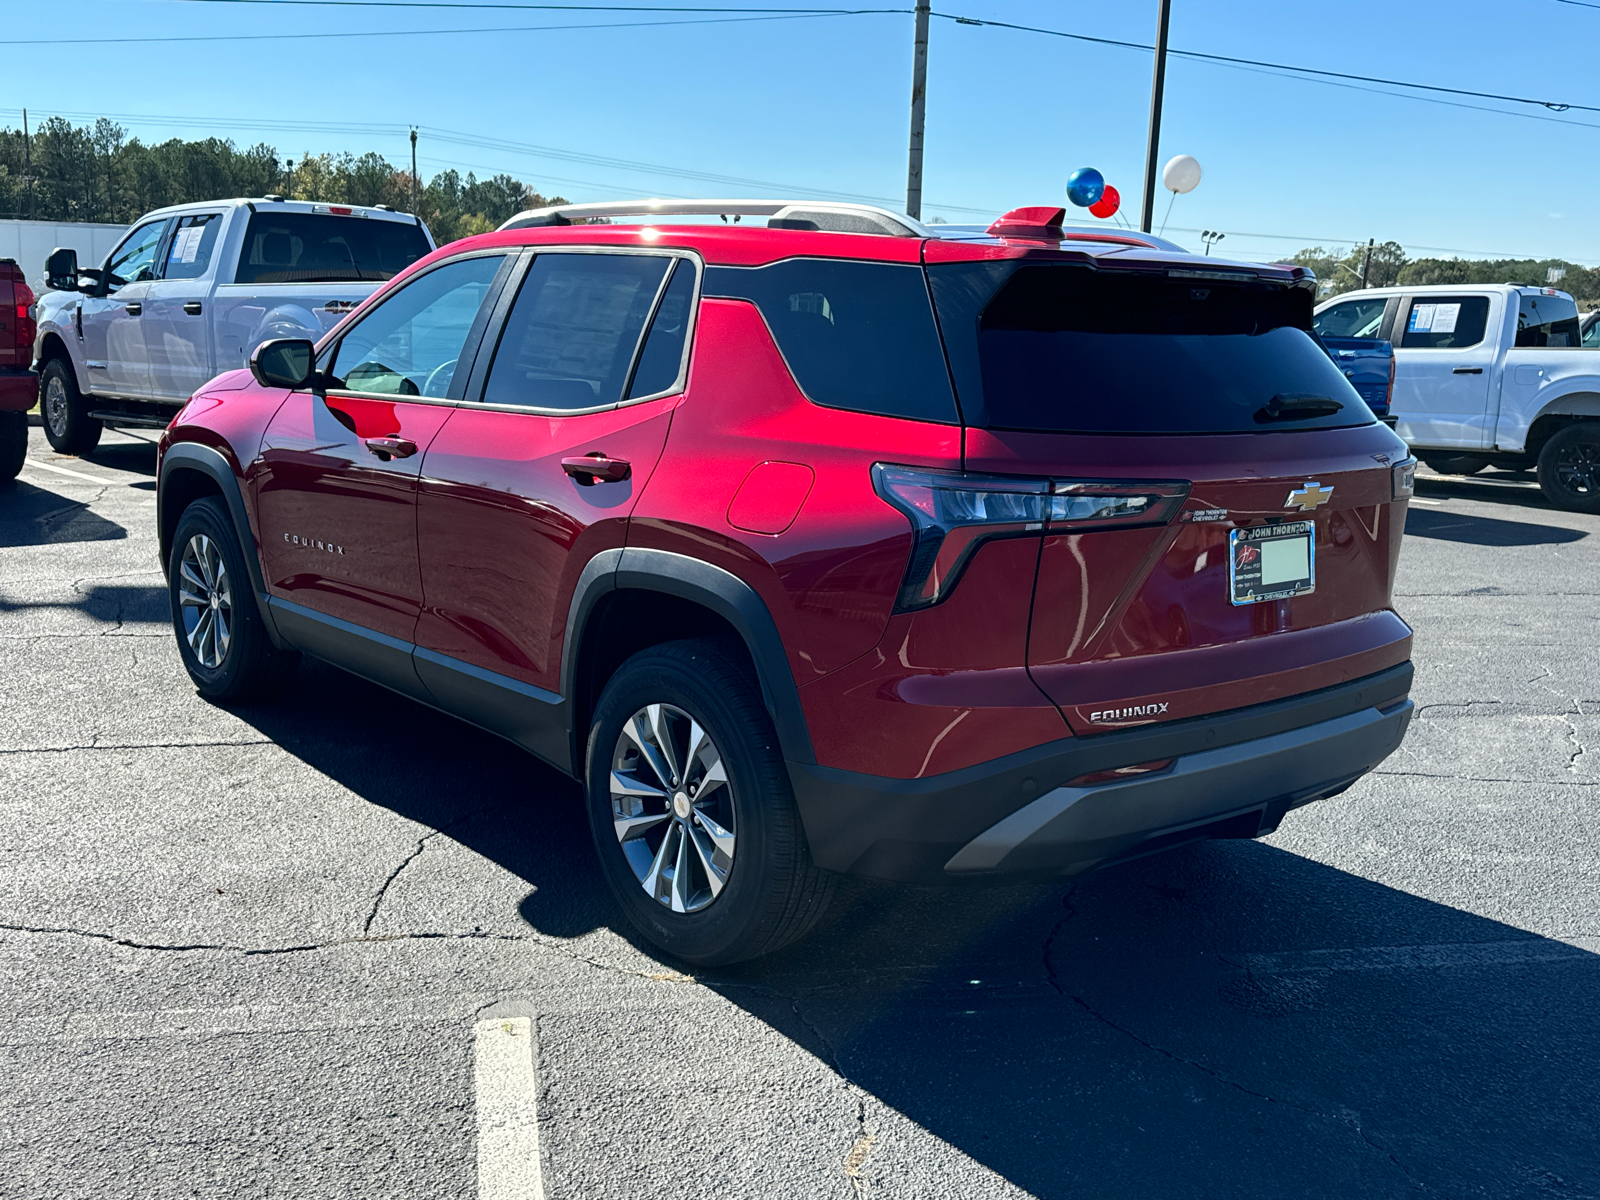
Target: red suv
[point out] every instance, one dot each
(840, 544)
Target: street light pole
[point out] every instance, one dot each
(919, 97)
(413, 172)
(1157, 86)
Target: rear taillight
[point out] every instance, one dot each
(953, 513)
(1403, 477)
(27, 329)
(1388, 392)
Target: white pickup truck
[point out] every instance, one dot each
(190, 292)
(1487, 375)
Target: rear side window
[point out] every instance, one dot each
(1445, 322)
(1547, 321)
(1069, 349)
(300, 247)
(856, 335)
(570, 339)
(189, 252)
(1351, 319)
(661, 360)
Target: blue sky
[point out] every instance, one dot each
(820, 104)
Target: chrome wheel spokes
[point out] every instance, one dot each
(672, 807)
(55, 405)
(205, 601)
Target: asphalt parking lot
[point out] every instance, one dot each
(268, 951)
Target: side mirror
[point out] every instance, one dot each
(61, 269)
(283, 363)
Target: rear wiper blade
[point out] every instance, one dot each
(1297, 406)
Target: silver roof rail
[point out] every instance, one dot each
(826, 215)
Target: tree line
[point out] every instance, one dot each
(1389, 265)
(67, 172)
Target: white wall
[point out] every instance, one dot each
(29, 242)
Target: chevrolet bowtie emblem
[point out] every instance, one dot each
(1309, 496)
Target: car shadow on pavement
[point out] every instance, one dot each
(34, 516)
(1229, 1019)
(1452, 526)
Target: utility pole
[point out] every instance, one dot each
(27, 161)
(1367, 265)
(919, 102)
(1157, 86)
(413, 170)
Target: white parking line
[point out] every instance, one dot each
(508, 1111)
(44, 466)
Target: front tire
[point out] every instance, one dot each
(13, 445)
(1569, 468)
(691, 808)
(221, 635)
(64, 411)
(1455, 464)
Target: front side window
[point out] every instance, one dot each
(1547, 322)
(302, 247)
(189, 252)
(410, 344)
(569, 342)
(1445, 322)
(1591, 335)
(856, 335)
(135, 260)
(1351, 319)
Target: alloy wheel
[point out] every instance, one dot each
(1578, 467)
(55, 405)
(672, 807)
(205, 597)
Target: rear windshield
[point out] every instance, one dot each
(1068, 349)
(294, 247)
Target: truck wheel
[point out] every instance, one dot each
(1456, 464)
(13, 445)
(691, 808)
(221, 636)
(1569, 468)
(68, 427)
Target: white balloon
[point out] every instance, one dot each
(1181, 174)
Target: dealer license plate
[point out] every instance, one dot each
(1272, 562)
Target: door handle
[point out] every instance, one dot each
(192, 307)
(1467, 371)
(393, 446)
(134, 308)
(595, 468)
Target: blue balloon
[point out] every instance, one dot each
(1084, 186)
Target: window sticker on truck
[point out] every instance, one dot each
(1433, 318)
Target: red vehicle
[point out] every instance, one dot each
(827, 546)
(19, 386)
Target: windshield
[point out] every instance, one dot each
(1069, 349)
(298, 247)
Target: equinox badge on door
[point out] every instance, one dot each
(1308, 496)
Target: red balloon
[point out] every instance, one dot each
(1110, 200)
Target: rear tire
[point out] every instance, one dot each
(738, 881)
(64, 411)
(1455, 464)
(1569, 468)
(221, 635)
(13, 445)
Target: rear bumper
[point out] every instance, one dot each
(19, 391)
(1235, 774)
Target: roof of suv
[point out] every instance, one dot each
(795, 228)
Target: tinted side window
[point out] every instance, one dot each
(856, 335)
(302, 247)
(1591, 335)
(662, 357)
(189, 252)
(569, 341)
(1547, 321)
(1351, 319)
(135, 260)
(1445, 322)
(410, 343)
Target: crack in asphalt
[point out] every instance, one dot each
(137, 746)
(416, 853)
(1349, 1119)
(1490, 779)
